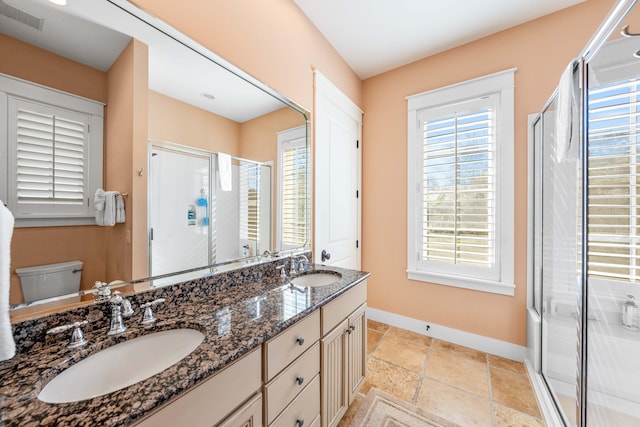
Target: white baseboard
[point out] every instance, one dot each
(467, 339)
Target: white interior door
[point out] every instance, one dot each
(338, 129)
(179, 223)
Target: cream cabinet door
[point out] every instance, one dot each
(335, 393)
(357, 351)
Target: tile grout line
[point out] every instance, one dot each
(491, 403)
(422, 375)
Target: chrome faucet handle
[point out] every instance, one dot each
(283, 273)
(104, 291)
(148, 318)
(77, 337)
(293, 268)
(117, 298)
(117, 325)
(303, 263)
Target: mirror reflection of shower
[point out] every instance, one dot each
(194, 219)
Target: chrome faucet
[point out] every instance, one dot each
(283, 273)
(77, 337)
(293, 267)
(120, 307)
(303, 263)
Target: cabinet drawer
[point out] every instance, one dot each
(249, 415)
(288, 384)
(291, 343)
(338, 310)
(210, 402)
(304, 409)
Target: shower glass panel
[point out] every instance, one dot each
(560, 224)
(613, 99)
(179, 213)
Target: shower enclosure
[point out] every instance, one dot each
(585, 234)
(193, 222)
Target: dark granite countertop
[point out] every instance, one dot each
(235, 318)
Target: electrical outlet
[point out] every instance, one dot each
(127, 236)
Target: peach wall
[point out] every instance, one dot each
(48, 245)
(31, 63)
(269, 39)
(127, 111)
(138, 240)
(540, 50)
(174, 121)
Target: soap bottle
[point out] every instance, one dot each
(629, 309)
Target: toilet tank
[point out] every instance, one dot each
(51, 280)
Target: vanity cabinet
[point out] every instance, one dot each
(343, 353)
(292, 375)
(218, 397)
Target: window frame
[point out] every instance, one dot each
(12, 88)
(501, 86)
(295, 136)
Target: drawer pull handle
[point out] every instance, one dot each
(300, 340)
(300, 422)
(299, 380)
(352, 327)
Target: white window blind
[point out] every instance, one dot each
(250, 185)
(50, 156)
(460, 198)
(613, 219)
(294, 195)
(293, 202)
(458, 188)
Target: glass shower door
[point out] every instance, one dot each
(560, 230)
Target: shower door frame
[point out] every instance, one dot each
(602, 34)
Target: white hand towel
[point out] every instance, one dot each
(565, 110)
(120, 213)
(110, 208)
(7, 345)
(224, 170)
(98, 204)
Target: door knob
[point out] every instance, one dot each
(325, 255)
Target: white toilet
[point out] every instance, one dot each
(51, 280)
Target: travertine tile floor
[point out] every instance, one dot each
(460, 384)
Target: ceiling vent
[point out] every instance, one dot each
(21, 16)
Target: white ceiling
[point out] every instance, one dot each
(375, 36)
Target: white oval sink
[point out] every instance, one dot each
(121, 365)
(316, 279)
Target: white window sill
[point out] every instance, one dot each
(53, 222)
(463, 282)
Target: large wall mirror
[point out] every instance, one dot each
(210, 163)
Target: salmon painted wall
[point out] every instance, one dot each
(540, 50)
(118, 164)
(171, 120)
(48, 245)
(270, 39)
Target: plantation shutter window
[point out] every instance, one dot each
(460, 185)
(250, 185)
(53, 161)
(292, 188)
(50, 156)
(613, 240)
